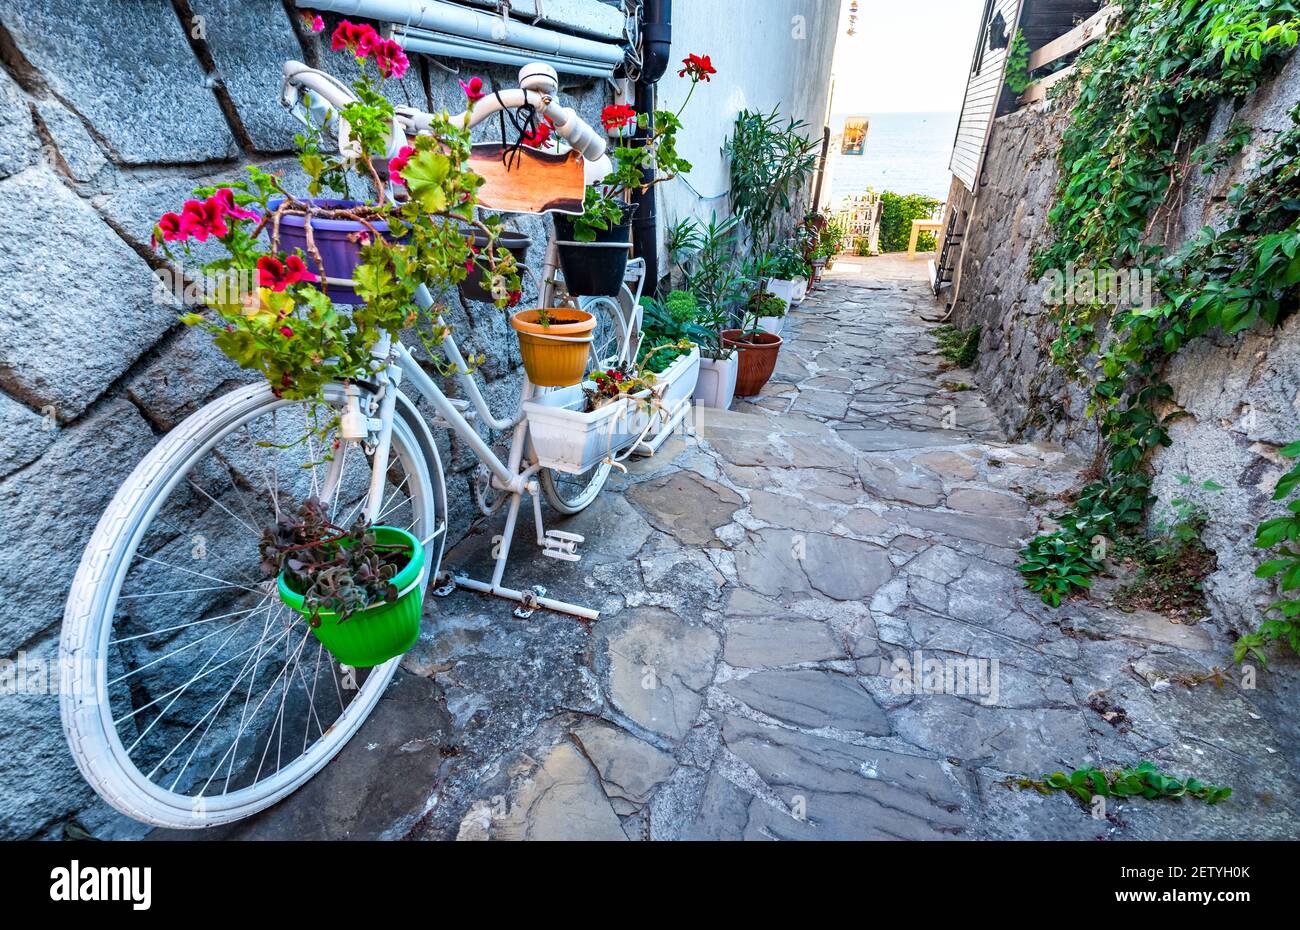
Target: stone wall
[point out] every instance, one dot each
(109, 115)
(1237, 396)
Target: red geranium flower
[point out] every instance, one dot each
(391, 59)
(398, 164)
(311, 22)
(357, 38)
(474, 89)
(225, 198)
(170, 227)
(278, 275)
(699, 67)
(286, 332)
(616, 117)
(203, 218)
(540, 138)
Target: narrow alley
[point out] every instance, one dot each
(771, 590)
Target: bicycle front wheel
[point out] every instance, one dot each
(192, 696)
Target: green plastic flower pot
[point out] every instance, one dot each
(373, 636)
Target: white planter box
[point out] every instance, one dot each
(771, 324)
(677, 383)
(800, 291)
(563, 437)
(717, 382)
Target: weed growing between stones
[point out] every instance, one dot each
(1171, 565)
(1144, 780)
(958, 346)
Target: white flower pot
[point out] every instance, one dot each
(717, 382)
(563, 437)
(800, 291)
(782, 288)
(771, 324)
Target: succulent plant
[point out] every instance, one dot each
(338, 571)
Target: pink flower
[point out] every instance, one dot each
(170, 227)
(469, 262)
(398, 164)
(359, 39)
(286, 332)
(225, 198)
(391, 59)
(474, 89)
(310, 22)
(278, 275)
(203, 218)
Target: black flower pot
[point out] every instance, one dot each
(473, 287)
(594, 269)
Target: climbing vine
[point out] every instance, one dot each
(1145, 96)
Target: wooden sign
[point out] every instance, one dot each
(534, 182)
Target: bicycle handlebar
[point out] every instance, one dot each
(334, 95)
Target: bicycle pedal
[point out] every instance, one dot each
(561, 545)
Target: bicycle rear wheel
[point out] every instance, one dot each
(193, 696)
(570, 494)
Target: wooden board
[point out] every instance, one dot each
(1090, 30)
(1038, 90)
(536, 182)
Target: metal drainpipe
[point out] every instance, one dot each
(656, 40)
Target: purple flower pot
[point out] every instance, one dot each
(336, 242)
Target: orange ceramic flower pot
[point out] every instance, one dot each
(555, 355)
(756, 354)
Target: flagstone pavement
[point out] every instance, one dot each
(771, 591)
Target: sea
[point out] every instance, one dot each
(905, 152)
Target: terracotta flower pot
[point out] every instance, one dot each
(555, 355)
(756, 354)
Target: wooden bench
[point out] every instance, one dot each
(918, 227)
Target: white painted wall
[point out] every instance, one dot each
(767, 52)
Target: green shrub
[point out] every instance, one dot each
(896, 215)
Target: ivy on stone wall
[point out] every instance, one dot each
(1145, 97)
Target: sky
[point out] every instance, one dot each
(909, 56)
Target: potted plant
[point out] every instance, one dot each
(307, 304)
(574, 429)
(830, 243)
(671, 333)
(788, 275)
(358, 588)
(713, 285)
(593, 246)
(767, 310)
(554, 343)
(478, 286)
(756, 349)
(770, 163)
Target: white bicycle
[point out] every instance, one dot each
(192, 696)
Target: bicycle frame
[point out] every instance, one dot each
(325, 100)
